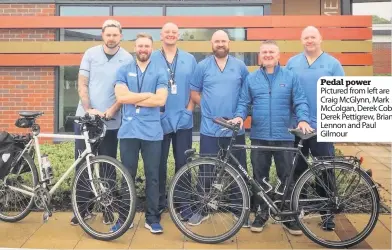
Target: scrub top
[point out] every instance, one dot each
(101, 74)
(324, 65)
(175, 115)
(220, 91)
(142, 122)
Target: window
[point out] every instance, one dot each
(137, 11)
(84, 10)
(215, 11)
(68, 96)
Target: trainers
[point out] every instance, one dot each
(117, 227)
(154, 227)
(74, 220)
(327, 223)
(247, 222)
(197, 219)
(108, 218)
(185, 214)
(258, 224)
(292, 227)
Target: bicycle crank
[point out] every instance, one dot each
(42, 201)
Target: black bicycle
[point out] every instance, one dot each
(332, 187)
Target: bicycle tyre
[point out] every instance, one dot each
(374, 194)
(244, 192)
(132, 192)
(26, 212)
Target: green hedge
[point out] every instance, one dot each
(61, 156)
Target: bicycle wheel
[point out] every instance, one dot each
(339, 195)
(208, 200)
(14, 205)
(112, 209)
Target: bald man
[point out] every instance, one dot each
(310, 65)
(216, 86)
(176, 115)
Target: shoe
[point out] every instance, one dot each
(117, 227)
(327, 223)
(108, 218)
(185, 214)
(247, 222)
(75, 222)
(292, 227)
(197, 219)
(154, 227)
(258, 224)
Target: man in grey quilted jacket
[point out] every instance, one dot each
(274, 92)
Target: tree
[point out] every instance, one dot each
(379, 20)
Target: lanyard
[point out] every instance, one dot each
(137, 76)
(172, 71)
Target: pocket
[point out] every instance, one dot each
(166, 127)
(185, 121)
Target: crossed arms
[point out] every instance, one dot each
(124, 96)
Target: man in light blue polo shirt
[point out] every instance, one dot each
(141, 87)
(177, 117)
(310, 65)
(215, 86)
(97, 74)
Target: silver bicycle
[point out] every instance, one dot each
(102, 189)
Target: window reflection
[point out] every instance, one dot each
(68, 96)
(84, 11)
(215, 11)
(137, 11)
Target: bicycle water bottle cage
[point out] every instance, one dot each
(277, 188)
(269, 185)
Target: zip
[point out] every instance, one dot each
(270, 95)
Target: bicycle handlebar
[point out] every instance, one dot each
(89, 118)
(226, 124)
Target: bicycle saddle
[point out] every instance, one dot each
(300, 134)
(30, 114)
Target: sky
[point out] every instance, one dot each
(382, 9)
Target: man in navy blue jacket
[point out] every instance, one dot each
(275, 94)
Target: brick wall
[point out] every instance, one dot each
(27, 88)
(382, 58)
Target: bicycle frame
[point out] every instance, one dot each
(87, 153)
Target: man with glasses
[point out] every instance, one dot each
(97, 74)
(176, 117)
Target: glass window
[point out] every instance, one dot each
(215, 11)
(206, 34)
(68, 96)
(137, 11)
(80, 35)
(130, 34)
(84, 11)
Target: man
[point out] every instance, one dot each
(310, 65)
(177, 117)
(274, 92)
(97, 74)
(141, 87)
(215, 86)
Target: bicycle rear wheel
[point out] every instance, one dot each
(340, 196)
(208, 201)
(112, 209)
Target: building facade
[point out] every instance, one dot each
(36, 75)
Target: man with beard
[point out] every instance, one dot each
(215, 86)
(177, 117)
(310, 65)
(274, 92)
(141, 87)
(97, 74)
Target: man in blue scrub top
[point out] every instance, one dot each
(141, 87)
(97, 74)
(177, 117)
(310, 65)
(274, 93)
(216, 85)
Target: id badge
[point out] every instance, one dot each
(137, 110)
(174, 89)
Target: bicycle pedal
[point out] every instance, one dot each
(45, 216)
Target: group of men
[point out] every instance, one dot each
(153, 97)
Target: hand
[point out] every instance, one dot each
(109, 113)
(95, 112)
(305, 127)
(237, 120)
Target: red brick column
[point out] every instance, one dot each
(382, 58)
(27, 88)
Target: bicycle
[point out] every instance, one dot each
(101, 185)
(316, 196)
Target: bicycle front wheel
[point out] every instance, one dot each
(104, 198)
(339, 204)
(208, 201)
